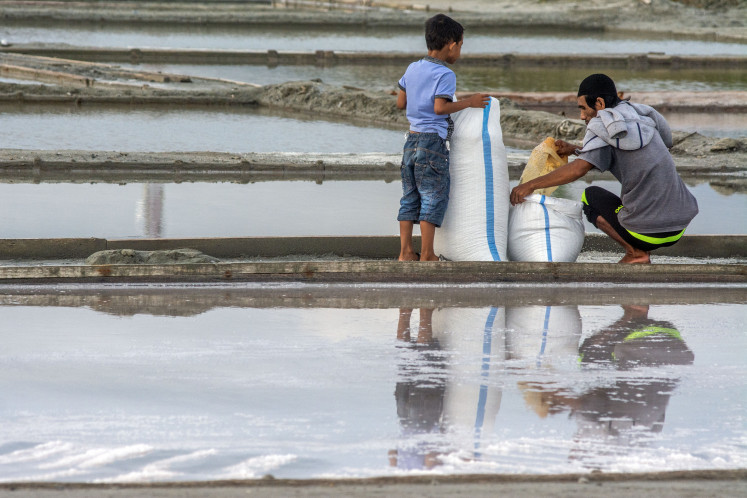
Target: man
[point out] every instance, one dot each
(631, 141)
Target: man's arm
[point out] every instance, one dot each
(401, 99)
(478, 100)
(565, 174)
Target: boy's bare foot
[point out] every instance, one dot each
(428, 257)
(411, 256)
(637, 257)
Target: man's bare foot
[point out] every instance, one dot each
(638, 257)
(411, 256)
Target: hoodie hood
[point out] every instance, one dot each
(626, 126)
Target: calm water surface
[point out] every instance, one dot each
(357, 39)
(515, 79)
(283, 208)
(102, 387)
(165, 130)
(228, 130)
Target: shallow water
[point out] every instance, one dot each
(357, 39)
(494, 79)
(282, 208)
(142, 129)
(241, 391)
(171, 130)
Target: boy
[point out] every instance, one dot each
(430, 85)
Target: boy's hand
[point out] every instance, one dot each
(564, 149)
(479, 100)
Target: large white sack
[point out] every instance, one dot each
(547, 336)
(475, 224)
(545, 229)
(475, 341)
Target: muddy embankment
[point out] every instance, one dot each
(710, 19)
(692, 152)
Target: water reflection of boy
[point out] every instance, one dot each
(420, 399)
(609, 412)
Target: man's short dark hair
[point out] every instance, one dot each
(440, 30)
(596, 86)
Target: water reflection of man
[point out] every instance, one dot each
(420, 399)
(623, 413)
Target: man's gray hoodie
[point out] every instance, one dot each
(626, 126)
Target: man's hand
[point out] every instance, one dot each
(564, 149)
(519, 192)
(479, 100)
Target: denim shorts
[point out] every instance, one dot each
(425, 179)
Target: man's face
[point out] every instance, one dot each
(587, 112)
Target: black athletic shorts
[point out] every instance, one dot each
(599, 202)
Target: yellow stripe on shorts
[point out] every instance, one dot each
(657, 240)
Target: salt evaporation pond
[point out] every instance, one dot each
(124, 128)
(469, 79)
(356, 38)
(158, 385)
(278, 208)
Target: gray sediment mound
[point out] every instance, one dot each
(365, 107)
(133, 257)
(377, 107)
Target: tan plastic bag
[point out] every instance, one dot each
(543, 159)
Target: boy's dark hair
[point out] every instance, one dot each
(596, 86)
(441, 30)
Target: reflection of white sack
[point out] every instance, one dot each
(548, 335)
(545, 229)
(474, 227)
(475, 341)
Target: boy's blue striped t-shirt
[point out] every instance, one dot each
(424, 81)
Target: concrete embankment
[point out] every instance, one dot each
(368, 272)
(350, 269)
(368, 247)
(722, 483)
(74, 166)
(326, 58)
(70, 166)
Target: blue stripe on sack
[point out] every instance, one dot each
(547, 229)
(487, 153)
(544, 336)
(482, 401)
